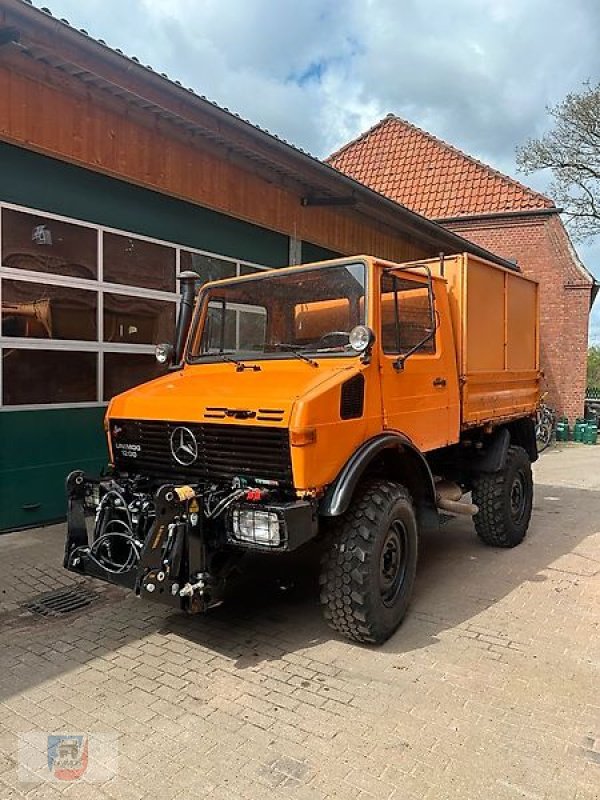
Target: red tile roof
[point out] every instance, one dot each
(418, 170)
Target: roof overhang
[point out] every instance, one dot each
(499, 215)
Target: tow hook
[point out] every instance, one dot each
(190, 588)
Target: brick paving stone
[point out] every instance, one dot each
(488, 690)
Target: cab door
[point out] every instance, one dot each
(418, 373)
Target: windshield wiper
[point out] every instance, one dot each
(239, 365)
(295, 350)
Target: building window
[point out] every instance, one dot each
(37, 243)
(209, 268)
(138, 320)
(136, 262)
(41, 376)
(247, 269)
(43, 311)
(124, 370)
(82, 307)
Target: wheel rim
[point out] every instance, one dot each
(518, 498)
(392, 562)
(543, 436)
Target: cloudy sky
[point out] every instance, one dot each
(477, 73)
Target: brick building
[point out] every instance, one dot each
(418, 170)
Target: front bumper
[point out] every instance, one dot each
(172, 562)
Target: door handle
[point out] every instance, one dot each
(439, 382)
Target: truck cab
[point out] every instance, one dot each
(315, 405)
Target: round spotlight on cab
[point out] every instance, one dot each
(164, 353)
(361, 338)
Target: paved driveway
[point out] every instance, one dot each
(490, 689)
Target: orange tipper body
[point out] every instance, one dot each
(344, 405)
(482, 369)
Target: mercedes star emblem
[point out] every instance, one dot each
(184, 446)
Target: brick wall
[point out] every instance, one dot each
(542, 249)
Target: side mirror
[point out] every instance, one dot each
(164, 353)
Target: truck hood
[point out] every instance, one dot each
(217, 392)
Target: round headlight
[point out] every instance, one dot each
(163, 353)
(361, 337)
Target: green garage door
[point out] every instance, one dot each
(88, 286)
(39, 449)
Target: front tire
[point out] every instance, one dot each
(369, 572)
(505, 500)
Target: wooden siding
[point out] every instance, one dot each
(52, 113)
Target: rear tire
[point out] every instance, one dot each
(369, 572)
(505, 500)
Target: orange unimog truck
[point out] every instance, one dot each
(348, 404)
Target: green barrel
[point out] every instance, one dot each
(585, 434)
(590, 435)
(563, 431)
(578, 430)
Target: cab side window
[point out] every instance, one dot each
(405, 316)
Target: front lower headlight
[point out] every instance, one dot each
(261, 528)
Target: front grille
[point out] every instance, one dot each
(224, 451)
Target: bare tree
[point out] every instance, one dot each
(571, 150)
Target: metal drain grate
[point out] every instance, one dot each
(60, 601)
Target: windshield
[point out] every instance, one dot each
(308, 311)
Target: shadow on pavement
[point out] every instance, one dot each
(458, 578)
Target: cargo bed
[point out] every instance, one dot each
(494, 314)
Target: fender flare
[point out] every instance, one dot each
(339, 494)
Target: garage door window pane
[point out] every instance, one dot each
(138, 320)
(35, 242)
(48, 376)
(124, 370)
(135, 262)
(209, 268)
(40, 311)
(247, 270)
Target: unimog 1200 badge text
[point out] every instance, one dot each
(128, 450)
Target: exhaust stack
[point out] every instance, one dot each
(188, 281)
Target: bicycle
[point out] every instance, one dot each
(545, 424)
